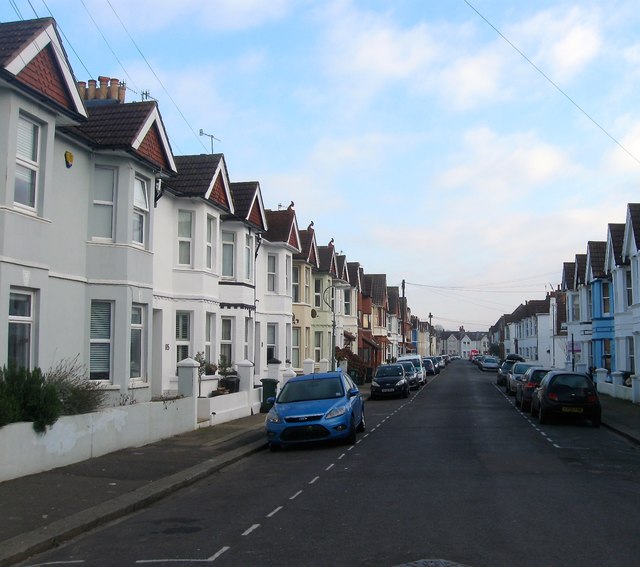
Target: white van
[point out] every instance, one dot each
(417, 362)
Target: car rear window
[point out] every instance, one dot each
(311, 390)
(537, 375)
(389, 371)
(571, 381)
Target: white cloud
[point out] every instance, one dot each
(561, 42)
(505, 167)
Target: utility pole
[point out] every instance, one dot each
(430, 328)
(404, 312)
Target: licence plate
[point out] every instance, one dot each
(572, 410)
(386, 390)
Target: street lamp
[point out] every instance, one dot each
(430, 327)
(332, 305)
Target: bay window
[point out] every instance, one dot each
(103, 202)
(21, 324)
(185, 231)
(100, 340)
(137, 342)
(228, 253)
(140, 211)
(27, 163)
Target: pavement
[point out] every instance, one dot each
(43, 510)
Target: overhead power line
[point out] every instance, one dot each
(554, 84)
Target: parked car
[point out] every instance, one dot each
(417, 362)
(441, 363)
(410, 374)
(503, 372)
(389, 380)
(489, 364)
(515, 376)
(515, 357)
(316, 407)
(434, 360)
(563, 393)
(530, 381)
(429, 367)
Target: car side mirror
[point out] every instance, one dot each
(271, 400)
(353, 392)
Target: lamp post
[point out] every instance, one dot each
(430, 327)
(332, 305)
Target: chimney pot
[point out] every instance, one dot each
(122, 91)
(92, 89)
(104, 84)
(113, 89)
(82, 89)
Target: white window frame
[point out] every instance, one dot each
(210, 243)
(99, 340)
(27, 320)
(347, 302)
(104, 202)
(317, 293)
(295, 347)
(248, 251)
(183, 335)
(295, 288)
(317, 345)
(631, 355)
(287, 274)
(247, 336)
(28, 160)
(606, 297)
(307, 342)
(209, 338)
(140, 211)
(307, 285)
(228, 254)
(226, 338)
(185, 238)
(272, 267)
(137, 328)
(628, 287)
(272, 341)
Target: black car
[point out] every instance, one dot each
(503, 372)
(530, 381)
(410, 373)
(389, 380)
(563, 394)
(429, 367)
(434, 361)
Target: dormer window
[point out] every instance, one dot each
(27, 163)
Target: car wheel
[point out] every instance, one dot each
(351, 437)
(406, 393)
(525, 407)
(363, 422)
(596, 421)
(273, 447)
(532, 410)
(517, 402)
(542, 417)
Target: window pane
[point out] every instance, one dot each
(184, 224)
(227, 260)
(136, 353)
(184, 252)
(136, 315)
(138, 228)
(27, 141)
(19, 344)
(102, 221)
(182, 351)
(226, 329)
(271, 334)
(25, 186)
(100, 320)
(140, 194)
(99, 361)
(20, 304)
(103, 190)
(182, 326)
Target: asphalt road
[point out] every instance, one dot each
(455, 472)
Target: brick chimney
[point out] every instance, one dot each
(110, 91)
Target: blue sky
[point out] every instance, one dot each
(409, 131)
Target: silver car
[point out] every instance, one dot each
(516, 375)
(489, 363)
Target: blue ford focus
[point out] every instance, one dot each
(316, 407)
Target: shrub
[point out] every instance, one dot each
(42, 398)
(27, 396)
(77, 393)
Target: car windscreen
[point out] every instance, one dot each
(537, 375)
(305, 390)
(490, 359)
(408, 366)
(388, 371)
(520, 368)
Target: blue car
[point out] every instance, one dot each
(316, 407)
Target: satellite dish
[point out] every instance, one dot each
(314, 313)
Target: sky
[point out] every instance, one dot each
(465, 147)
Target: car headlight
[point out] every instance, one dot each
(401, 382)
(273, 416)
(374, 383)
(336, 412)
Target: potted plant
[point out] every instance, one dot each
(206, 368)
(229, 379)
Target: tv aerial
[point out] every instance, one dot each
(211, 137)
